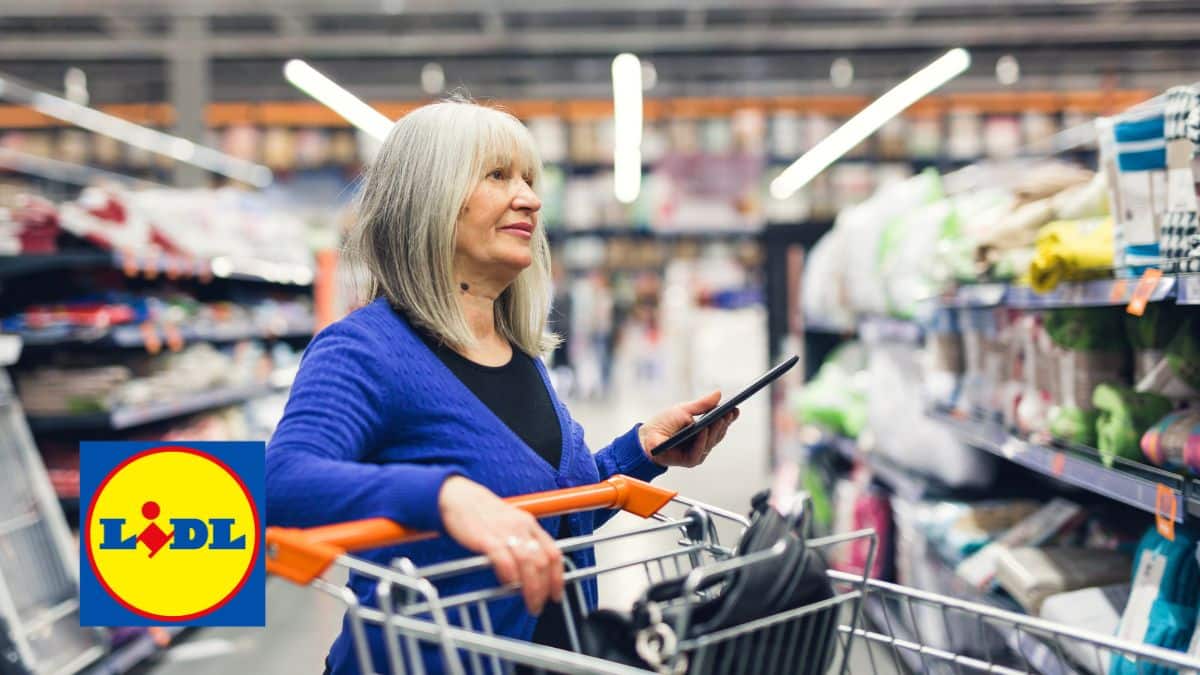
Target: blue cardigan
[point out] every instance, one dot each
(375, 423)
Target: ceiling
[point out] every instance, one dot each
(558, 48)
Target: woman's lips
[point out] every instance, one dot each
(523, 230)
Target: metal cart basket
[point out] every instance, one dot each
(909, 630)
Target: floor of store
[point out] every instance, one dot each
(301, 623)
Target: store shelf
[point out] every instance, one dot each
(1141, 486)
(125, 418)
(1187, 289)
(1100, 293)
(160, 266)
(644, 234)
(132, 336)
(902, 482)
(976, 295)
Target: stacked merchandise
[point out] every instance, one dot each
(78, 386)
(1082, 377)
(122, 314)
(190, 224)
(28, 225)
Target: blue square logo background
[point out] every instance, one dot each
(246, 458)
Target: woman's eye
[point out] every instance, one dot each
(528, 180)
(498, 174)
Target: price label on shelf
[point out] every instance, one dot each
(1143, 291)
(129, 264)
(150, 338)
(1165, 507)
(1058, 464)
(173, 336)
(151, 270)
(1120, 288)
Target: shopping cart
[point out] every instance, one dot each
(867, 626)
(681, 539)
(909, 630)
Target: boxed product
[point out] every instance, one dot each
(1057, 515)
(1031, 575)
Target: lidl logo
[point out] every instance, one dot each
(172, 534)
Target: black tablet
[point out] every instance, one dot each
(685, 434)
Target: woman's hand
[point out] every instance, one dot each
(664, 425)
(519, 549)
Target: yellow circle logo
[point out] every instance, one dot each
(172, 534)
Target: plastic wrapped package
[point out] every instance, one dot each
(958, 529)
(1030, 575)
(1071, 250)
(1124, 416)
(1051, 519)
(943, 356)
(894, 384)
(1083, 201)
(1094, 609)
(834, 399)
(825, 293)
(907, 241)
(983, 358)
(864, 227)
(1162, 602)
(1174, 441)
(1149, 335)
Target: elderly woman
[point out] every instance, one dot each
(430, 404)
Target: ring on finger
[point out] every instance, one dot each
(514, 541)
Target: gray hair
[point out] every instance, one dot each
(408, 209)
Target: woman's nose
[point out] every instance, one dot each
(526, 199)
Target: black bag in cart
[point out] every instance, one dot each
(793, 579)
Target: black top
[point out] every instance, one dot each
(516, 393)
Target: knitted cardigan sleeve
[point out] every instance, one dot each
(317, 468)
(623, 456)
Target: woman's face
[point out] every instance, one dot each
(495, 229)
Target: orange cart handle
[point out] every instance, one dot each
(303, 555)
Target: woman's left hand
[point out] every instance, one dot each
(664, 425)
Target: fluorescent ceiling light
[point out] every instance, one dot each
(137, 135)
(950, 65)
(627, 127)
(310, 81)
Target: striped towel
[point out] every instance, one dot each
(1141, 151)
(1181, 226)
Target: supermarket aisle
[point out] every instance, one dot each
(302, 623)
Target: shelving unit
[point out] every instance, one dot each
(126, 418)
(169, 267)
(1143, 487)
(133, 336)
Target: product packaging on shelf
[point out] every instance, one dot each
(1031, 575)
(1162, 604)
(1056, 515)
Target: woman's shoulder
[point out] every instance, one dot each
(374, 326)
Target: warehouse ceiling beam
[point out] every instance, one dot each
(576, 41)
(235, 7)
